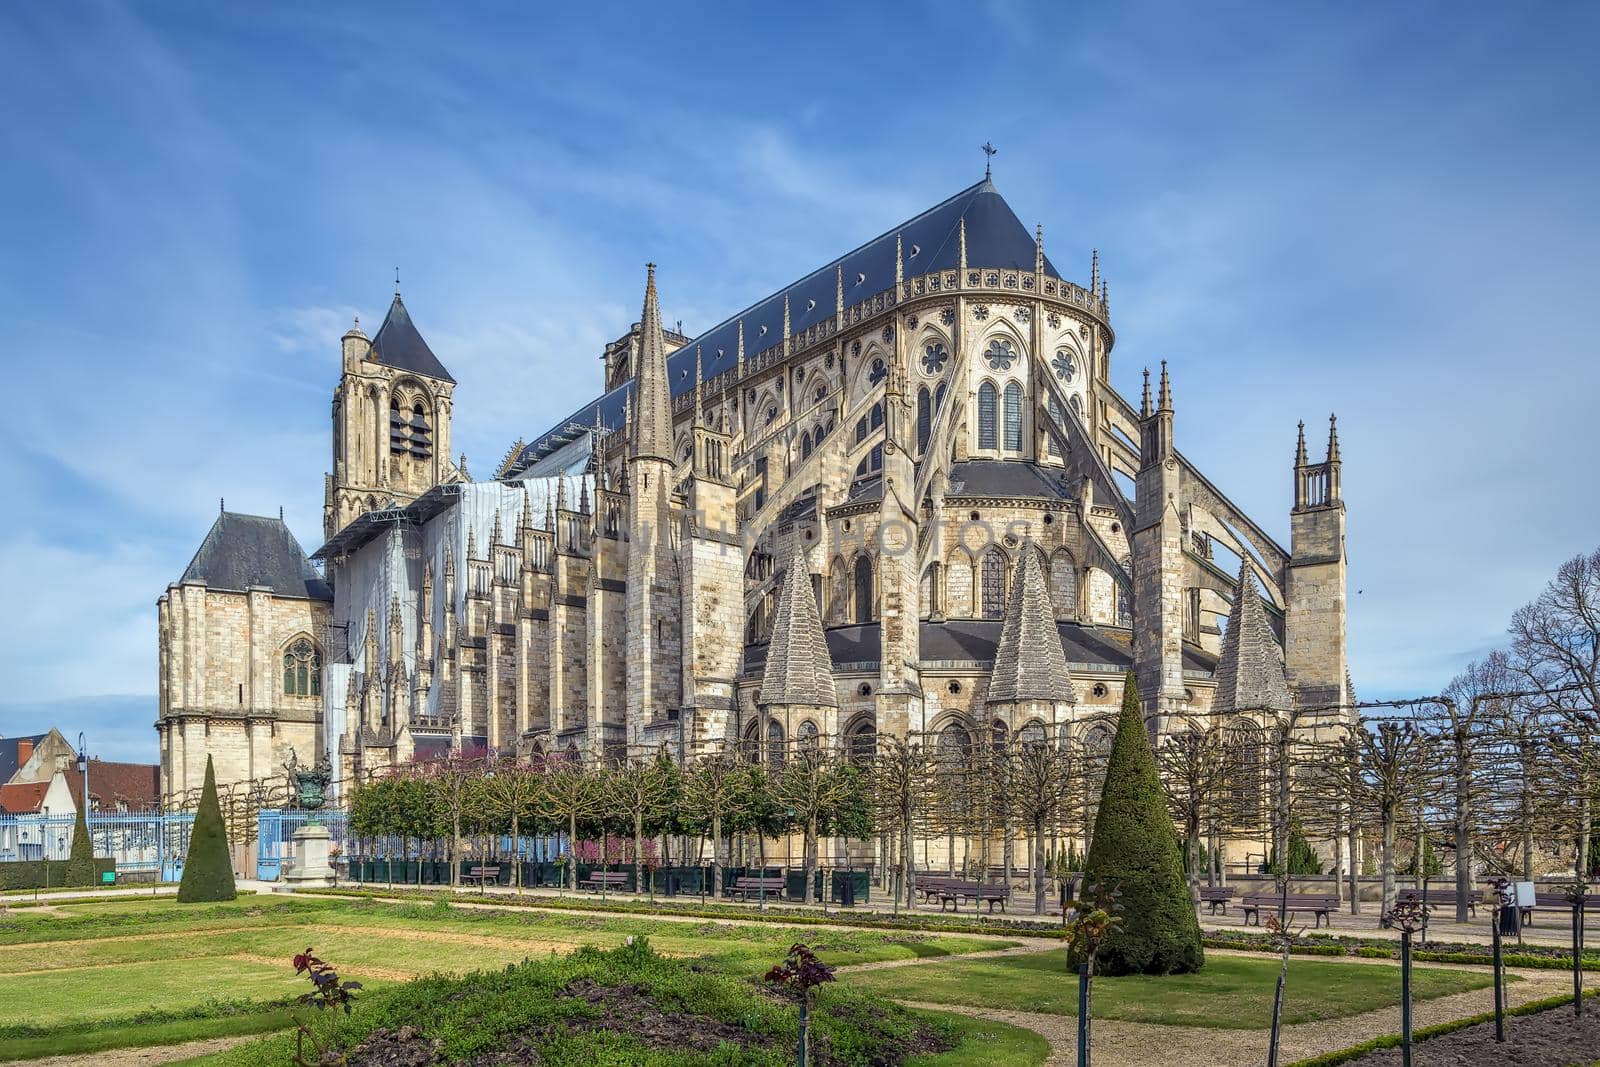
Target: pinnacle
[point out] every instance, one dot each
(1029, 663)
(799, 669)
(1250, 674)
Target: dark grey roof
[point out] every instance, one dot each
(399, 345)
(975, 640)
(9, 763)
(1006, 477)
(929, 242)
(242, 551)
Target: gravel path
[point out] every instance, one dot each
(138, 1057)
(1128, 1044)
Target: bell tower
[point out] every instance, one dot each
(391, 420)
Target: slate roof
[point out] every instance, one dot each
(242, 551)
(9, 763)
(1250, 674)
(975, 641)
(1028, 661)
(398, 344)
(929, 242)
(798, 669)
(1006, 477)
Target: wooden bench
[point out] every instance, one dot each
(1320, 905)
(1216, 896)
(930, 888)
(757, 886)
(604, 880)
(484, 873)
(1441, 898)
(1561, 904)
(990, 894)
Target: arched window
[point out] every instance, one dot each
(924, 418)
(399, 437)
(775, 742)
(838, 592)
(1096, 754)
(988, 416)
(1242, 756)
(805, 445)
(994, 583)
(877, 415)
(864, 598)
(1013, 417)
(421, 439)
(806, 735)
(954, 743)
(1124, 607)
(861, 741)
(1032, 735)
(302, 670)
(1054, 409)
(938, 396)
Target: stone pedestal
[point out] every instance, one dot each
(308, 860)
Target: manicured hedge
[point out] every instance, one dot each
(208, 868)
(45, 874)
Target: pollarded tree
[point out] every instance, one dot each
(1041, 782)
(639, 791)
(899, 782)
(1193, 777)
(451, 783)
(572, 796)
(510, 791)
(713, 794)
(818, 793)
(1392, 762)
(1135, 854)
(207, 868)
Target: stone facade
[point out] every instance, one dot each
(927, 426)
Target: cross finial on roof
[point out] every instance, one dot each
(397, 281)
(988, 153)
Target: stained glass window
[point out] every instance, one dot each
(994, 584)
(1013, 417)
(988, 416)
(924, 418)
(1000, 354)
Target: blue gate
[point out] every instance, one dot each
(275, 827)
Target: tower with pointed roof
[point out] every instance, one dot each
(1030, 680)
(654, 603)
(797, 684)
(391, 420)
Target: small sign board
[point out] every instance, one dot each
(1525, 897)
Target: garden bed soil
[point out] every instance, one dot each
(1550, 1038)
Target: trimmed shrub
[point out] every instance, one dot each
(80, 864)
(1135, 853)
(45, 874)
(207, 869)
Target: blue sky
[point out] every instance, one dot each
(1386, 211)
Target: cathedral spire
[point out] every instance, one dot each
(1300, 446)
(652, 425)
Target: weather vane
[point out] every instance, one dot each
(988, 157)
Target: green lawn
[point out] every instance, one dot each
(113, 960)
(1233, 992)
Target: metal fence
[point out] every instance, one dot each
(153, 844)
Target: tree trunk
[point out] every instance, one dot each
(638, 851)
(1386, 865)
(716, 855)
(810, 847)
(572, 837)
(1038, 866)
(516, 853)
(1463, 829)
(455, 848)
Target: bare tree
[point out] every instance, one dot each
(1192, 776)
(900, 784)
(450, 783)
(713, 792)
(1392, 761)
(1555, 642)
(571, 795)
(511, 790)
(1041, 784)
(1468, 724)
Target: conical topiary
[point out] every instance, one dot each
(207, 869)
(80, 862)
(1135, 854)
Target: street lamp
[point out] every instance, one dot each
(83, 769)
